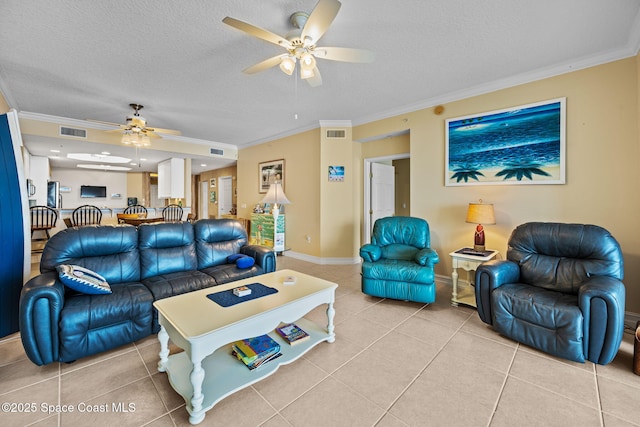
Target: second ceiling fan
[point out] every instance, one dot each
(301, 45)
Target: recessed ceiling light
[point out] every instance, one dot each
(203, 165)
(133, 164)
(55, 151)
(104, 167)
(102, 158)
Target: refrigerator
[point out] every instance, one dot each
(54, 198)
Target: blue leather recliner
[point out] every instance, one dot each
(560, 290)
(398, 263)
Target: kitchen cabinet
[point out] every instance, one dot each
(171, 179)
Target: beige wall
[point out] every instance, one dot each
(301, 154)
(602, 152)
(601, 187)
(4, 106)
(231, 171)
(403, 186)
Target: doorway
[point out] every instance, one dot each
(380, 190)
(225, 195)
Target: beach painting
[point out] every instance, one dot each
(518, 145)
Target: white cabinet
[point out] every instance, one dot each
(171, 179)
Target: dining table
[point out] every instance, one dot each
(138, 221)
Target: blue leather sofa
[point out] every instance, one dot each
(141, 264)
(560, 290)
(398, 263)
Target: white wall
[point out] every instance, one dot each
(116, 183)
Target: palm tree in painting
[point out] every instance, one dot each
(518, 171)
(465, 173)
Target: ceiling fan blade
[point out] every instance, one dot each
(267, 63)
(151, 134)
(316, 80)
(260, 33)
(345, 54)
(320, 19)
(166, 131)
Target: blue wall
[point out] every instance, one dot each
(12, 237)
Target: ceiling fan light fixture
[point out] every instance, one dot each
(307, 61)
(288, 65)
(306, 73)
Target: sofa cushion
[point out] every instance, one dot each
(91, 324)
(397, 270)
(216, 239)
(109, 250)
(543, 319)
(166, 248)
(226, 273)
(83, 280)
(179, 282)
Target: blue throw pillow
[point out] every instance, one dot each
(241, 260)
(245, 262)
(233, 258)
(83, 280)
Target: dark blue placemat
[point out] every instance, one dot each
(227, 298)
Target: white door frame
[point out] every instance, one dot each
(203, 200)
(366, 226)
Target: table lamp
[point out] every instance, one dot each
(480, 213)
(276, 197)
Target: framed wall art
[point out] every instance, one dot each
(212, 182)
(336, 173)
(518, 145)
(270, 172)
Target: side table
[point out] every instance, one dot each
(468, 263)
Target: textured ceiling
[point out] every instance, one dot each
(89, 60)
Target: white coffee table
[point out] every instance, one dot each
(206, 372)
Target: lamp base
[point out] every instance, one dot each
(479, 248)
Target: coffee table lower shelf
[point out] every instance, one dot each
(224, 374)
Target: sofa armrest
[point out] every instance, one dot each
(41, 302)
(370, 253)
(602, 301)
(264, 256)
(489, 276)
(427, 257)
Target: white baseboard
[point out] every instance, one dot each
(321, 261)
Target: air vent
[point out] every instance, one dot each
(336, 133)
(216, 151)
(76, 133)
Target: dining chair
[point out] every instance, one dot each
(86, 215)
(172, 213)
(43, 218)
(136, 209)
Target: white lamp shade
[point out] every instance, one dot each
(275, 195)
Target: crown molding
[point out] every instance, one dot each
(66, 121)
(582, 63)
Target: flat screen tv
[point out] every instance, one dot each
(93, 191)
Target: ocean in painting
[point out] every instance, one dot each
(523, 138)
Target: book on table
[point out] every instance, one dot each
(256, 351)
(292, 333)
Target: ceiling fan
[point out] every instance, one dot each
(135, 131)
(300, 44)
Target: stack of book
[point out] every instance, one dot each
(255, 352)
(292, 333)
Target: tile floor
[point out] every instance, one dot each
(394, 363)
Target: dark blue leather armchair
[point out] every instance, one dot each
(398, 263)
(560, 290)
